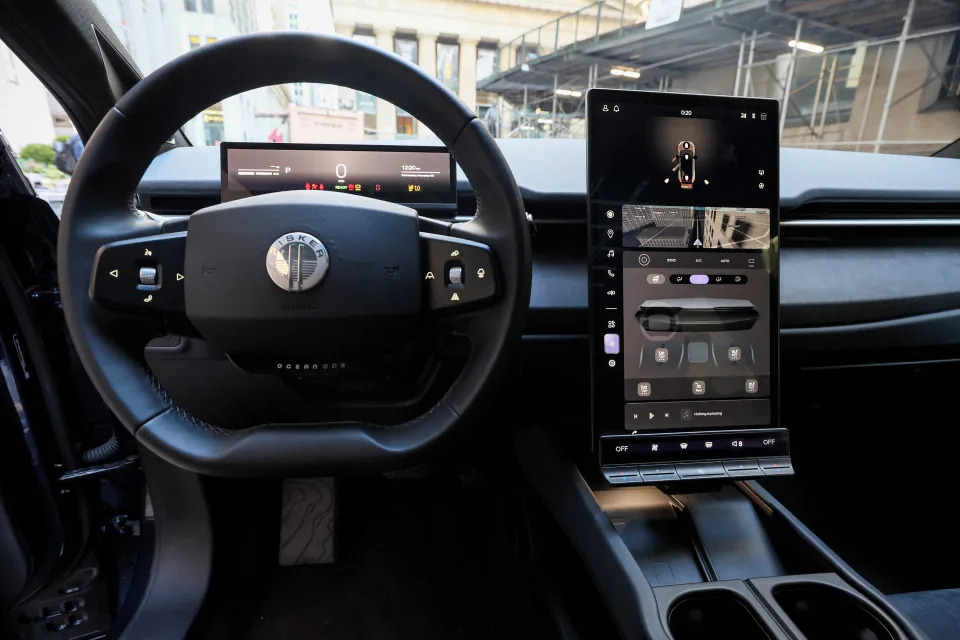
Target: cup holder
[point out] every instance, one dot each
(823, 612)
(700, 616)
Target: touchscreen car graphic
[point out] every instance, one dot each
(697, 314)
(685, 164)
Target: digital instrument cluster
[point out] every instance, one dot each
(413, 175)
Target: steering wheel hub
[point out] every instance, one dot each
(297, 261)
(369, 299)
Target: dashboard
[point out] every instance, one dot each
(869, 300)
(858, 230)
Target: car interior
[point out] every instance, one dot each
(669, 381)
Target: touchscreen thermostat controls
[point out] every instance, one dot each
(684, 298)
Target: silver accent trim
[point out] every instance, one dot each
(874, 222)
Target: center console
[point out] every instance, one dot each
(683, 205)
(699, 562)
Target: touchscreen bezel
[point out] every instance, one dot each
(607, 400)
(447, 206)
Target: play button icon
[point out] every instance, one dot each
(650, 416)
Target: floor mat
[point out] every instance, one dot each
(424, 558)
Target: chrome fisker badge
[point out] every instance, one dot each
(297, 261)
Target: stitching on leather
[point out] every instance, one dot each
(180, 411)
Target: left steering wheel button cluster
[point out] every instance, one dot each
(457, 272)
(142, 273)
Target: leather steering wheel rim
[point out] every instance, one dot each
(99, 209)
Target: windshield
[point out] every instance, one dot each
(867, 80)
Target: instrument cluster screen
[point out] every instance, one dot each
(683, 197)
(402, 174)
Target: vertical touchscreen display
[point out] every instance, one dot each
(683, 197)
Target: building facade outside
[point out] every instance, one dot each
(156, 31)
(456, 42)
(26, 116)
(460, 45)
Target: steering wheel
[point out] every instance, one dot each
(348, 273)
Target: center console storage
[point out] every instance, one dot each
(824, 606)
(697, 612)
(811, 607)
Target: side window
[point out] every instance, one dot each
(37, 129)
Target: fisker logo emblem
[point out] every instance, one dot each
(297, 261)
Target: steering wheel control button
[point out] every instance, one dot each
(297, 261)
(467, 268)
(455, 276)
(148, 276)
(129, 274)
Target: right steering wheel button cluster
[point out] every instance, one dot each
(457, 273)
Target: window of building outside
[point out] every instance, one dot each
(406, 47)
(207, 6)
(195, 41)
(526, 52)
(10, 67)
(943, 75)
(806, 76)
(293, 21)
(213, 124)
(448, 65)
(298, 92)
(488, 60)
(950, 89)
(190, 5)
